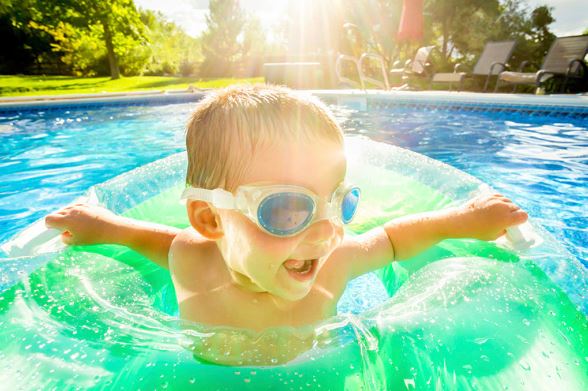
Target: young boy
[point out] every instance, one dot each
(271, 242)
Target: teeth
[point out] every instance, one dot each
(298, 266)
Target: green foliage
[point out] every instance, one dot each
(89, 38)
(222, 42)
(234, 42)
(461, 24)
(254, 48)
(464, 26)
(371, 26)
(22, 48)
(118, 20)
(170, 50)
(81, 51)
(80, 32)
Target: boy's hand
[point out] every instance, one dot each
(485, 217)
(83, 224)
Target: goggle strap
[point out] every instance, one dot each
(219, 198)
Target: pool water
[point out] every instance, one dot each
(540, 162)
(102, 317)
(48, 158)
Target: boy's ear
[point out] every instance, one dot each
(204, 219)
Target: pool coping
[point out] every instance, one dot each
(452, 97)
(45, 101)
(559, 100)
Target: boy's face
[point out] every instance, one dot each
(266, 260)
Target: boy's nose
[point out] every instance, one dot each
(322, 232)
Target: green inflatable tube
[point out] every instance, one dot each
(463, 315)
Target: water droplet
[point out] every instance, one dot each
(409, 382)
(526, 322)
(525, 365)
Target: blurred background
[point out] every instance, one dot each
(186, 42)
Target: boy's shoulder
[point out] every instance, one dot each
(193, 261)
(189, 236)
(189, 243)
(190, 247)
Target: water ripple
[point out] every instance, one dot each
(540, 162)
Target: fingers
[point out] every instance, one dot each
(58, 218)
(55, 220)
(519, 217)
(67, 238)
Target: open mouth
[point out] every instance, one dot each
(301, 270)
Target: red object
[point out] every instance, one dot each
(411, 21)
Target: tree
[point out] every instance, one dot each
(464, 26)
(115, 22)
(452, 17)
(254, 47)
(23, 49)
(116, 17)
(371, 27)
(540, 20)
(221, 43)
(171, 50)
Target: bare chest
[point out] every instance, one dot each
(206, 294)
(229, 306)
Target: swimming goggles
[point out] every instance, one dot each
(282, 210)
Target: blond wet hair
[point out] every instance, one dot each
(230, 124)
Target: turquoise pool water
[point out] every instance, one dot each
(50, 157)
(92, 321)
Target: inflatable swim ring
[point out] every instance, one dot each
(463, 315)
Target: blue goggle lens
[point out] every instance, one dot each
(285, 213)
(349, 205)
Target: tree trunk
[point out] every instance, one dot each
(112, 61)
(445, 33)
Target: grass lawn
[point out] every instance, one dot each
(56, 85)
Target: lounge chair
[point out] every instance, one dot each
(419, 66)
(492, 61)
(564, 60)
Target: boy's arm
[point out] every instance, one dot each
(485, 218)
(86, 225)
